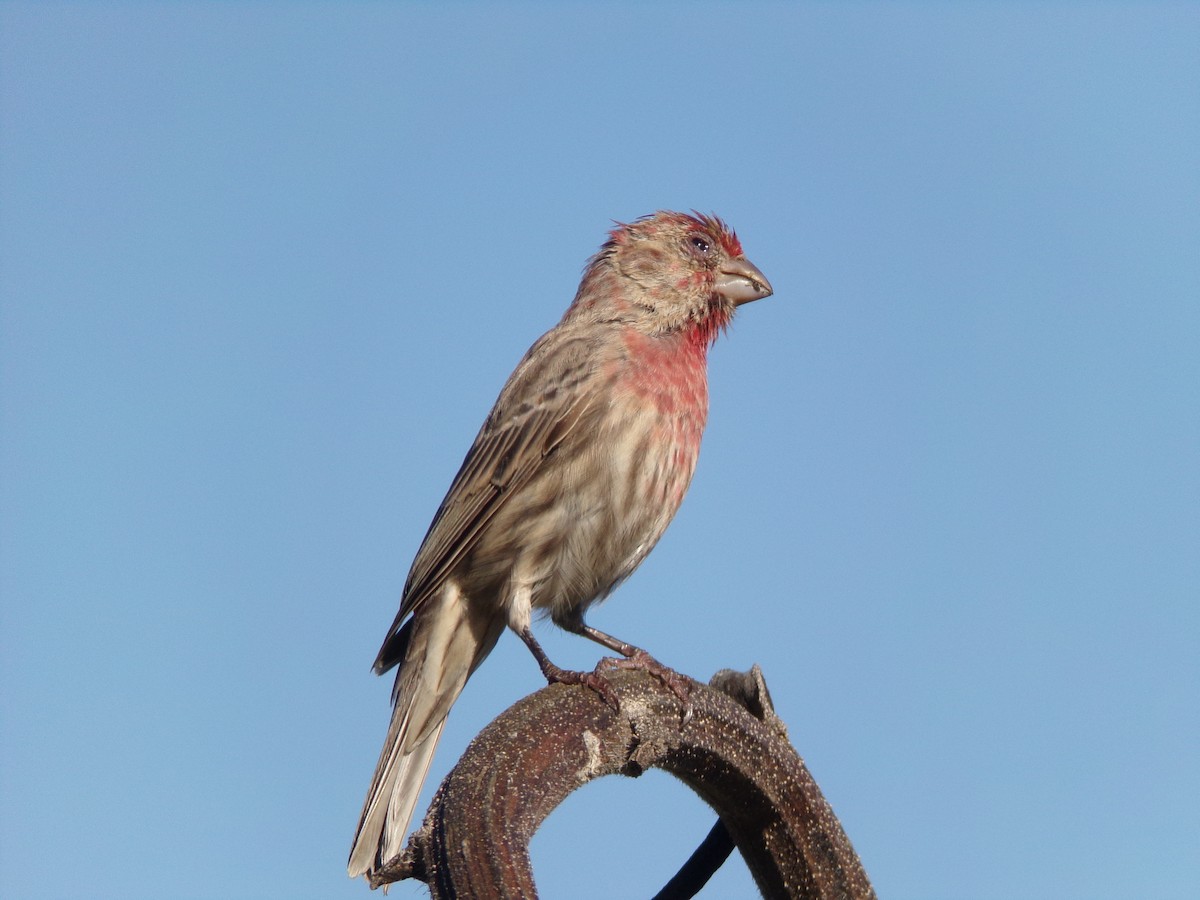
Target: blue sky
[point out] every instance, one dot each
(264, 267)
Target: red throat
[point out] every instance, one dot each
(703, 333)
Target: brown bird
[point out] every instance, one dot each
(571, 481)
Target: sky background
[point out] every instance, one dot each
(264, 268)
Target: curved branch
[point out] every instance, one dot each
(728, 746)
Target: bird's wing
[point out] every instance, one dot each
(539, 406)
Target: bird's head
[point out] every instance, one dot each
(670, 272)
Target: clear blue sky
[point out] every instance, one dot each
(265, 266)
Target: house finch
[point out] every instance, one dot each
(571, 481)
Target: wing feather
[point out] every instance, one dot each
(535, 412)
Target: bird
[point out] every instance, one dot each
(570, 482)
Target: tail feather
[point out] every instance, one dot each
(391, 801)
(443, 646)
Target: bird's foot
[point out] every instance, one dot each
(593, 680)
(677, 684)
(556, 675)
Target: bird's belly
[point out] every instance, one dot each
(595, 508)
(615, 499)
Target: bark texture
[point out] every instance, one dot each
(728, 746)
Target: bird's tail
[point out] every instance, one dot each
(443, 645)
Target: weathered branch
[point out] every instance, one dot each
(731, 749)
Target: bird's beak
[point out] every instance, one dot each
(740, 281)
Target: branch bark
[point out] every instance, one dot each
(730, 748)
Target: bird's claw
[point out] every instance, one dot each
(677, 684)
(593, 680)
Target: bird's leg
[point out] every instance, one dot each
(636, 658)
(556, 675)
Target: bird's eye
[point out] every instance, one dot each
(701, 245)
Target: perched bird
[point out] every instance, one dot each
(571, 481)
